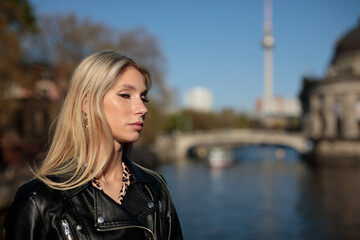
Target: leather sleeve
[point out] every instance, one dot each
(175, 230)
(23, 220)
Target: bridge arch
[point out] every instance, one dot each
(180, 143)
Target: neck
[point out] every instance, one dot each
(113, 169)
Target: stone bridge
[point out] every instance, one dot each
(175, 146)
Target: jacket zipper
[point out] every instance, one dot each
(130, 226)
(66, 228)
(152, 198)
(160, 209)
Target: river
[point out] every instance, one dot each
(263, 197)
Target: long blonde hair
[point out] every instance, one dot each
(73, 156)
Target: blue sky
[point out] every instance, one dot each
(217, 44)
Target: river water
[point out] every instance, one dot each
(262, 197)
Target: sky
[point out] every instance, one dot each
(216, 44)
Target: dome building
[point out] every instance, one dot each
(331, 106)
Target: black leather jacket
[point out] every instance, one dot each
(147, 212)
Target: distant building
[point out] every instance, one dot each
(331, 105)
(199, 99)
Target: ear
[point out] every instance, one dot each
(84, 105)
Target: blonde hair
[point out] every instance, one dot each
(73, 157)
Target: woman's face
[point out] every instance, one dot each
(124, 106)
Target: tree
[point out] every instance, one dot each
(179, 121)
(16, 18)
(64, 40)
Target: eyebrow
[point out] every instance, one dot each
(131, 87)
(128, 86)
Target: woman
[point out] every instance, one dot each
(86, 187)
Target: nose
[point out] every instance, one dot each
(141, 109)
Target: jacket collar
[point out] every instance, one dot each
(133, 210)
(139, 173)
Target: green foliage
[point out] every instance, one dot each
(178, 121)
(21, 15)
(17, 15)
(201, 120)
(243, 120)
(190, 120)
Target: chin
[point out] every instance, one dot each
(135, 140)
(128, 138)
(131, 139)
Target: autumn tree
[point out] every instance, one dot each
(16, 18)
(64, 40)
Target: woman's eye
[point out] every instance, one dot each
(144, 99)
(124, 95)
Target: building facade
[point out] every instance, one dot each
(331, 105)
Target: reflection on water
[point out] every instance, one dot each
(264, 197)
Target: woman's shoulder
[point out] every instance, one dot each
(146, 174)
(26, 201)
(34, 191)
(33, 188)
(151, 177)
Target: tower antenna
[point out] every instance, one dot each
(268, 44)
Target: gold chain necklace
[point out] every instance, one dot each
(125, 183)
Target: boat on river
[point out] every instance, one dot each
(219, 158)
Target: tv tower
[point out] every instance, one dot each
(268, 44)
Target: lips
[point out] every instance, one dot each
(137, 125)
